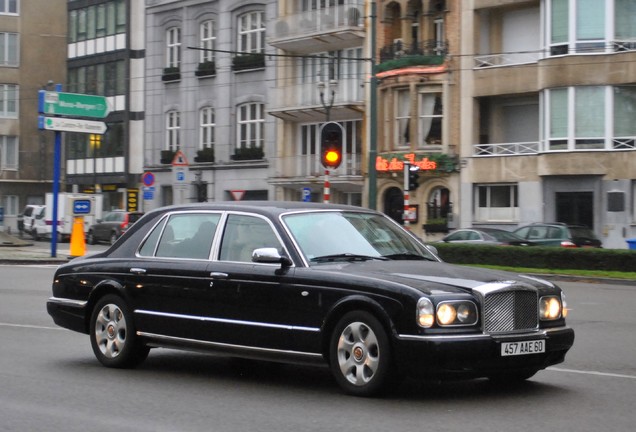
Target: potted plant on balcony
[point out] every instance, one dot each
(248, 61)
(248, 153)
(171, 74)
(206, 68)
(206, 154)
(167, 156)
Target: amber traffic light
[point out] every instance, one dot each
(331, 145)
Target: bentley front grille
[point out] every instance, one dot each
(510, 311)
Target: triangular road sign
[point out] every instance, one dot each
(179, 159)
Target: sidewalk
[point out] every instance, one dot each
(14, 250)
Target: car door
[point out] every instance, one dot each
(253, 302)
(171, 277)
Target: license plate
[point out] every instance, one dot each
(522, 348)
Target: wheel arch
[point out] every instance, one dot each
(99, 291)
(349, 304)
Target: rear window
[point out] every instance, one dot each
(582, 233)
(134, 217)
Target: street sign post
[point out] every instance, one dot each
(71, 125)
(72, 104)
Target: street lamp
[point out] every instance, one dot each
(330, 89)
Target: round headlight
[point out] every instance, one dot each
(446, 314)
(550, 308)
(464, 313)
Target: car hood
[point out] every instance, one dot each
(432, 277)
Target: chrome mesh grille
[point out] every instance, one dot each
(510, 311)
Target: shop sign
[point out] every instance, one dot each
(395, 162)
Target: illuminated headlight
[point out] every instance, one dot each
(550, 307)
(454, 313)
(425, 313)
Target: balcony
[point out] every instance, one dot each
(508, 149)
(327, 29)
(301, 102)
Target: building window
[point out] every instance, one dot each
(208, 41)
(207, 124)
(591, 118)
(173, 126)
(8, 101)
(11, 205)
(589, 26)
(250, 131)
(104, 79)
(8, 152)
(496, 203)
(9, 49)
(402, 126)
(251, 32)
(430, 119)
(8, 6)
(173, 47)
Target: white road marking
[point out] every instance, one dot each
(604, 374)
(30, 326)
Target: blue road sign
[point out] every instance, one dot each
(81, 206)
(306, 194)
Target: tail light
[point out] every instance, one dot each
(568, 244)
(124, 224)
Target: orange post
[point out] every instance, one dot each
(78, 242)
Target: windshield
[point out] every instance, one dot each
(348, 235)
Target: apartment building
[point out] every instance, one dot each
(323, 68)
(547, 114)
(32, 53)
(208, 89)
(105, 57)
(418, 97)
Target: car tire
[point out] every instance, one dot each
(113, 237)
(113, 335)
(360, 354)
(90, 238)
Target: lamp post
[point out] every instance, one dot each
(330, 89)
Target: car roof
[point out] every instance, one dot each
(262, 207)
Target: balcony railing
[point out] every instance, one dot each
(348, 91)
(289, 31)
(507, 149)
(507, 59)
(397, 50)
(303, 166)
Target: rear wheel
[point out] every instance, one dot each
(360, 354)
(113, 337)
(113, 237)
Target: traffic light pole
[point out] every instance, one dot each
(407, 168)
(327, 191)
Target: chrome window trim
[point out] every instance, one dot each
(228, 321)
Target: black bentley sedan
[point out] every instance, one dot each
(323, 284)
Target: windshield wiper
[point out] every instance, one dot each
(347, 257)
(408, 256)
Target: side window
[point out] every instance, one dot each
(187, 235)
(523, 232)
(472, 235)
(243, 234)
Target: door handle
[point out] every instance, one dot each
(218, 275)
(138, 271)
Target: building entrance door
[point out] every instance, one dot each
(575, 208)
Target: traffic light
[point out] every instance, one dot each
(331, 145)
(202, 192)
(414, 177)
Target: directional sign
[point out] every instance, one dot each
(71, 125)
(81, 206)
(72, 104)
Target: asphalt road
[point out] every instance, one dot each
(50, 381)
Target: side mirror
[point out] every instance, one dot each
(270, 256)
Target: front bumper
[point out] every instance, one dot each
(70, 314)
(477, 355)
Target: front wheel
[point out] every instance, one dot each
(113, 337)
(113, 237)
(360, 354)
(90, 238)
